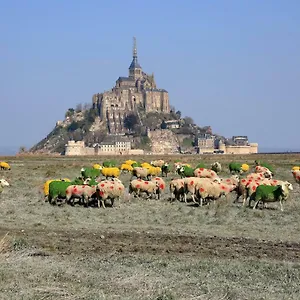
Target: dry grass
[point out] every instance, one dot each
(52, 252)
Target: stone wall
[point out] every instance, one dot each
(163, 141)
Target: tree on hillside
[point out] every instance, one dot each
(130, 121)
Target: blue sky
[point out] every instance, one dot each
(234, 65)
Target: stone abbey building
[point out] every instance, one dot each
(137, 91)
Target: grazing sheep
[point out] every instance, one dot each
(161, 185)
(191, 184)
(109, 189)
(3, 184)
(57, 189)
(130, 162)
(267, 173)
(140, 172)
(177, 188)
(110, 172)
(216, 166)
(154, 171)
(126, 168)
(234, 179)
(157, 163)
(185, 171)
(238, 168)
(109, 164)
(97, 166)
(81, 192)
(165, 169)
(46, 185)
(208, 190)
(137, 186)
(268, 193)
(206, 173)
(296, 175)
(262, 164)
(4, 165)
(90, 172)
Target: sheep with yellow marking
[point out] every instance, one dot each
(111, 172)
(4, 165)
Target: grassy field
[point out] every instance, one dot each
(145, 249)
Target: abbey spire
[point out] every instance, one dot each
(135, 69)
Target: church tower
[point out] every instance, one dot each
(135, 69)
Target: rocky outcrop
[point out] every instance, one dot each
(163, 141)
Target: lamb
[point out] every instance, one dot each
(110, 172)
(4, 165)
(3, 183)
(216, 167)
(137, 186)
(206, 173)
(267, 193)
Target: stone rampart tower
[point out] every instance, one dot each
(138, 90)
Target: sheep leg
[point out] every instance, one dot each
(103, 203)
(255, 205)
(281, 205)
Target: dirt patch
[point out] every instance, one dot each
(93, 243)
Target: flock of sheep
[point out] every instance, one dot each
(201, 183)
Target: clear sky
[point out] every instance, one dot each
(234, 65)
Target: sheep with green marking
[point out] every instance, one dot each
(268, 193)
(57, 189)
(240, 168)
(90, 172)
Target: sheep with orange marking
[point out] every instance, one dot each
(177, 189)
(234, 179)
(208, 190)
(161, 184)
(206, 173)
(296, 175)
(265, 171)
(190, 186)
(109, 189)
(81, 192)
(138, 186)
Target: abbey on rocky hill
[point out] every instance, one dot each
(137, 91)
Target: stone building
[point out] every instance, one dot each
(205, 143)
(137, 91)
(112, 145)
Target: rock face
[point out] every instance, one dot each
(163, 141)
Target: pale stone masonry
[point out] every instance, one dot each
(137, 91)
